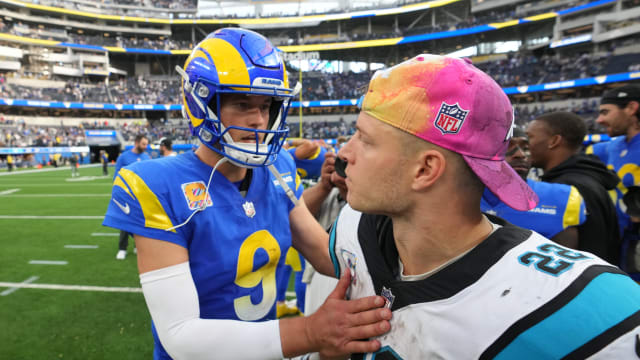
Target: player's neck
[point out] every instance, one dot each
(559, 156)
(231, 172)
(429, 239)
(632, 131)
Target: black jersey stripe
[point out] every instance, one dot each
(375, 234)
(604, 339)
(547, 309)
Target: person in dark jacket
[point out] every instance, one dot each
(555, 140)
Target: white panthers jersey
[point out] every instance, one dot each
(516, 295)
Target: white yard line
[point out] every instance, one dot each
(62, 168)
(60, 217)
(71, 287)
(106, 184)
(87, 178)
(10, 191)
(105, 234)
(81, 246)
(47, 262)
(15, 288)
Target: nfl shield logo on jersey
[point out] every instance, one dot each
(249, 209)
(450, 118)
(196, 196)
(388, 297)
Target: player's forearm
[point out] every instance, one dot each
(314, 246)
(315, 196)
(310, 239)
(172, 300)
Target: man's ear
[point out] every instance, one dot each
(430, 167)
(555, 141)
(632, 108)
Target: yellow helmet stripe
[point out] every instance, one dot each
(195, 121)
(230, 65)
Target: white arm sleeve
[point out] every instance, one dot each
(172, 300)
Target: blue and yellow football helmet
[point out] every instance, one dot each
(233, 60)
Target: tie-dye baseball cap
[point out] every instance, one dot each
(451, 103)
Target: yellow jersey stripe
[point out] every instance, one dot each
(572, 212)
(119, 183)
(154, 214)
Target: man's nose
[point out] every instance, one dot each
(258, 119)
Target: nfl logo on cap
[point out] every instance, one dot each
(450, 118)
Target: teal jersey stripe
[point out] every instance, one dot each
(332, 248)
(607, 300)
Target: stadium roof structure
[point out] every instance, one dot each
(309, 20)
(366, 44)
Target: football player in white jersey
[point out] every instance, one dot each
(212, 226)
(432, 134)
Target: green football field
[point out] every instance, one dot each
(84, 304)
(63, 295)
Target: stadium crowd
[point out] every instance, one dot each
(515, 69)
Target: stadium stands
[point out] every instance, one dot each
(76, 60)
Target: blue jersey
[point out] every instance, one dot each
(129, 157)
(624, 158)
(236, 245)
(560, 207)
(311, 167)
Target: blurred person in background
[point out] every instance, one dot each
(620, 116)
(560, 208)
(10, 162)
(166, 147)
(73, 162)
(104, 160)
(555, 141)
(136, 154)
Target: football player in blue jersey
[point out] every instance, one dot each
(212, 226)
(619, 114)
(432, 134)
(137, 153)
(104, 160)
(560, 208)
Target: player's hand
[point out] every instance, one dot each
(339, 325)
(328, 168)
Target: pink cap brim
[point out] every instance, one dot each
(499, 177)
